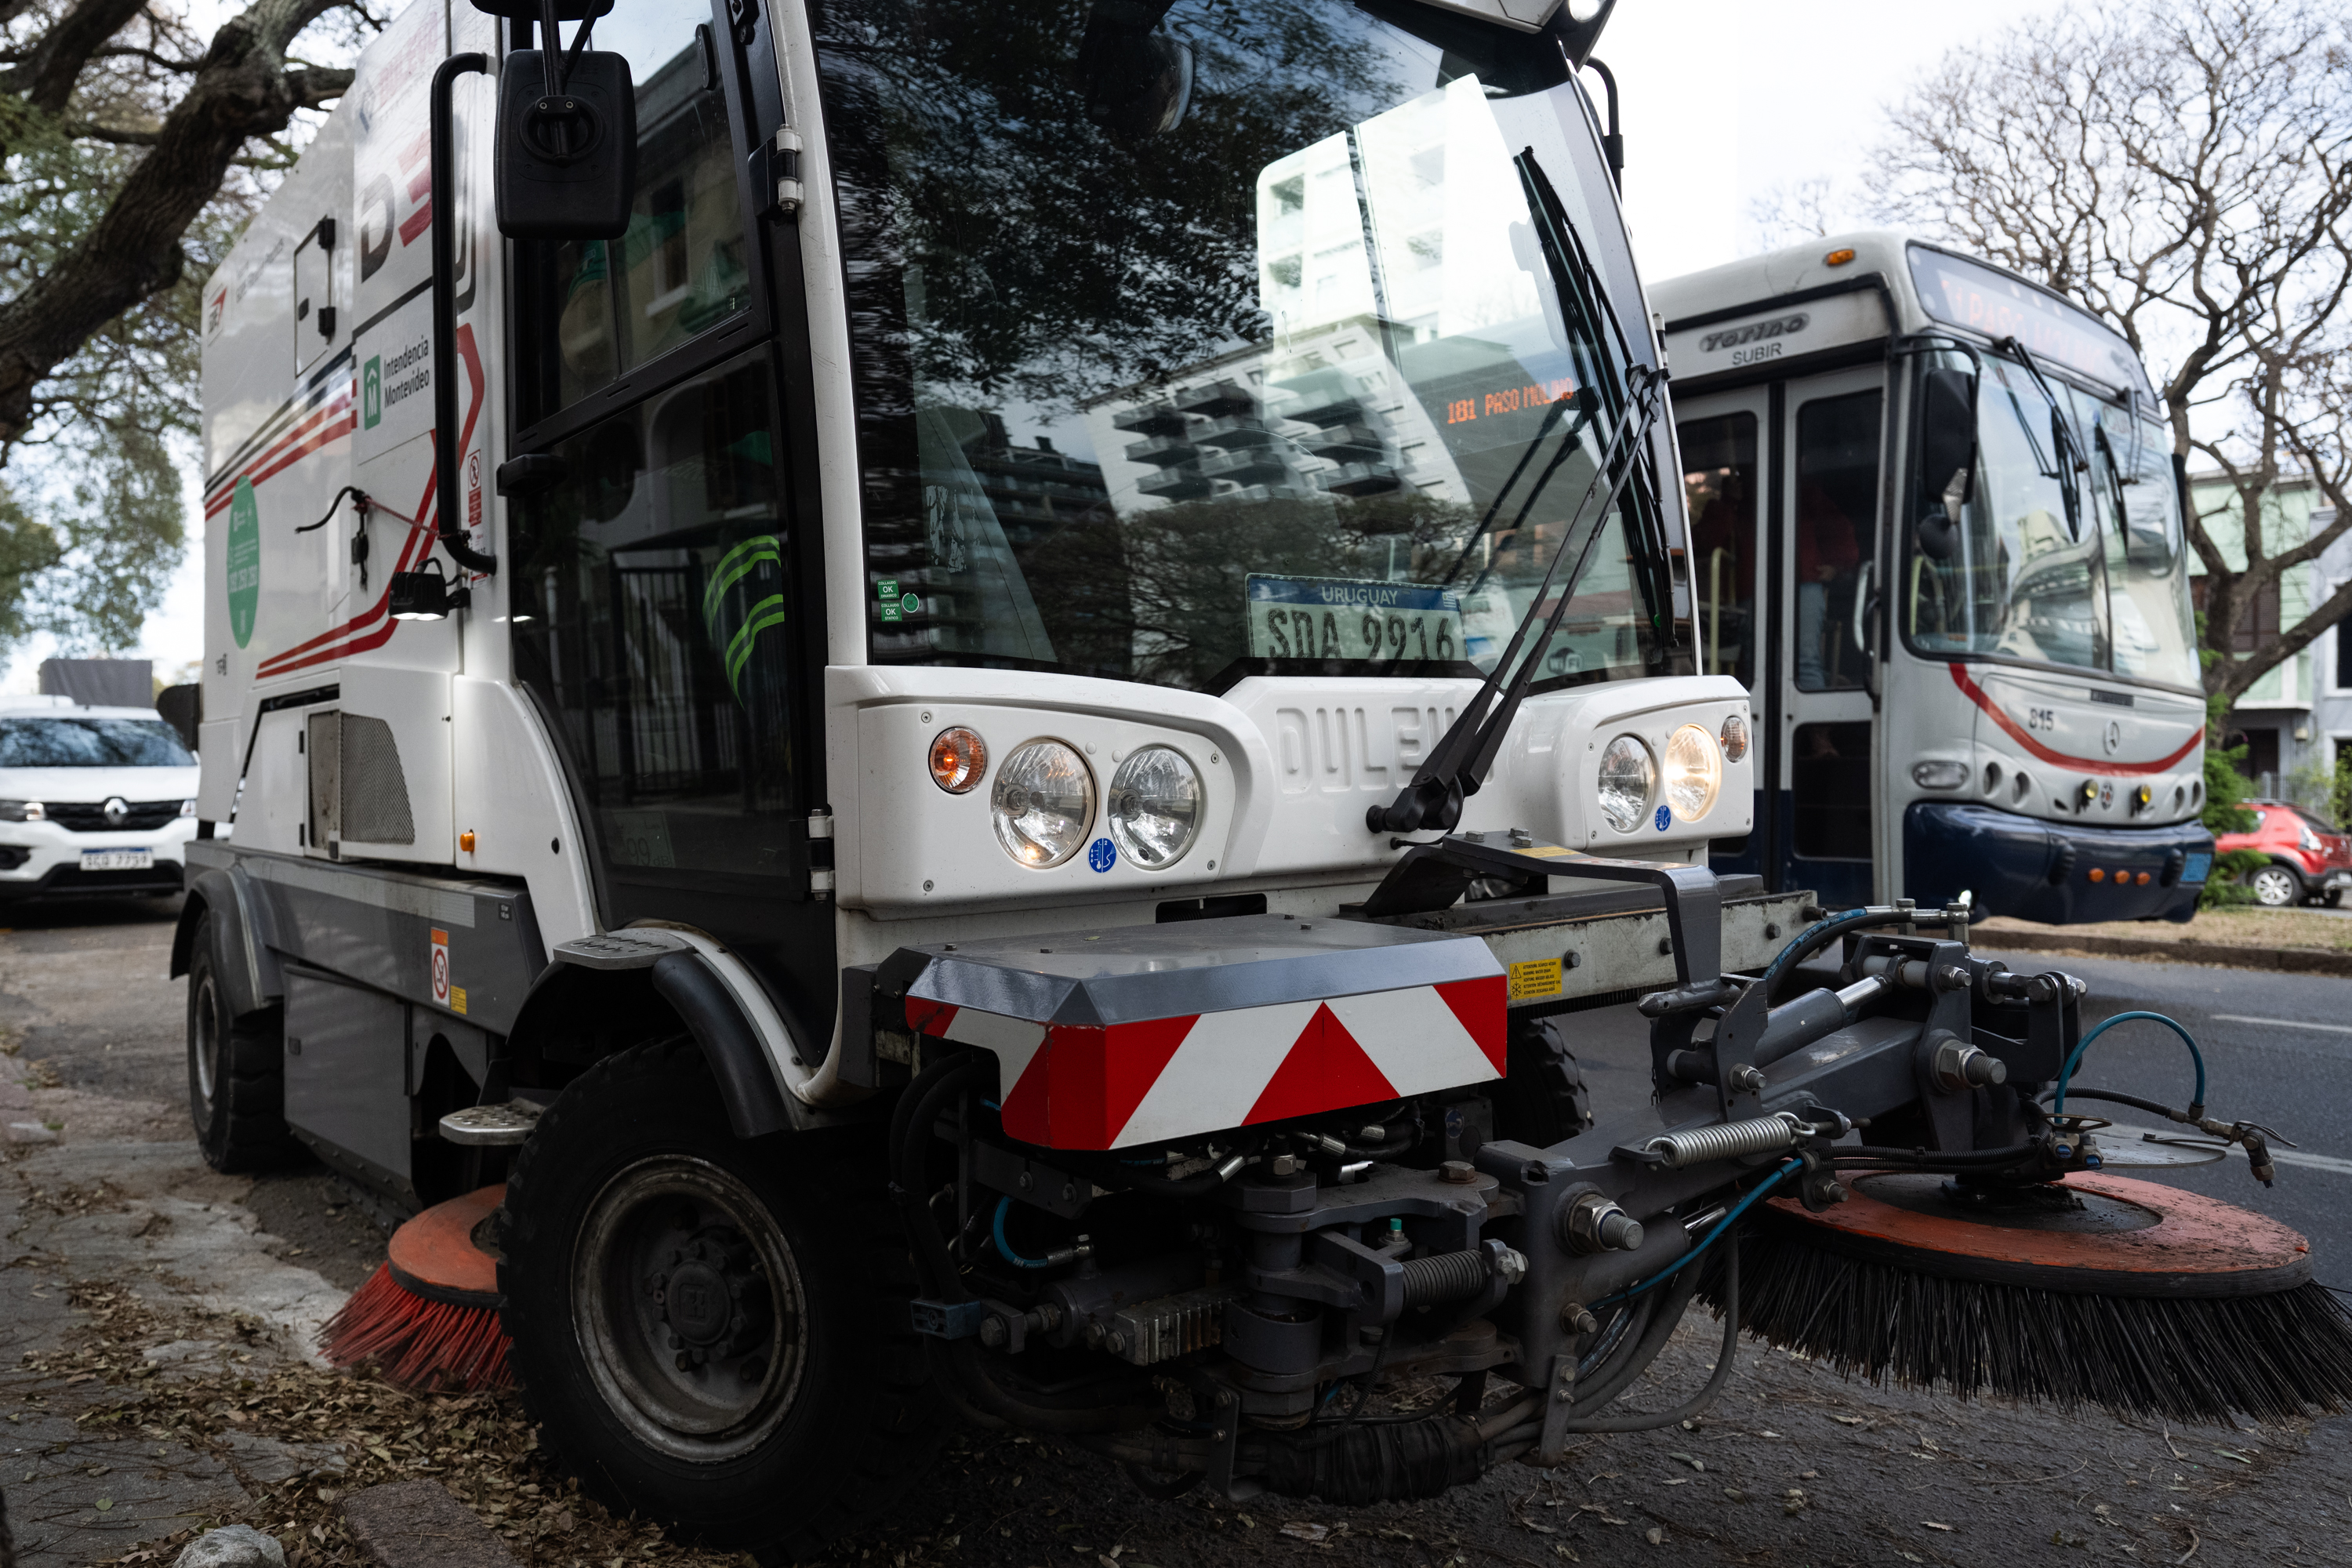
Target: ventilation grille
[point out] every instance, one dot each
(375, 793)
(358, 792)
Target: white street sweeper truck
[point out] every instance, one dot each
(952, 704)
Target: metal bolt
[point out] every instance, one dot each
(1665, 945)
(1572, 959)
(993, 1334)
(1575, 1319)
(685, 1362)
(1285, 1165)
(1747, 1080)
(1457, 1171)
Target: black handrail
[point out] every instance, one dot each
(446, 437)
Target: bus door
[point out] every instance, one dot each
(1824, 497)
(1726, 448)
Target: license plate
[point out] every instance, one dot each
(1330, 617)
(118, 859)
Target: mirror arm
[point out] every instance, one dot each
(446, 429)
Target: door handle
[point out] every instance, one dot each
(1862, 608)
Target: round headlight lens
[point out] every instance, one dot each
(1694, 772)
(1627, 777)
(1155, 806)
(958, 757)
(1734, 736)
(1043, 801)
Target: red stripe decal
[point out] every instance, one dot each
(930, 1017)
(418, 544)
(1975, 694)
(271, 462)
(1325, 1070)
(1483, 1006)
(1028, 1108)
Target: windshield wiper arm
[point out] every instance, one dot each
(1457, 764)
(2062, 432)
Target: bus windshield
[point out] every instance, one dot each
(1193, 342)
(2069, 549)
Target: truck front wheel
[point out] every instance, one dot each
(709, 1330)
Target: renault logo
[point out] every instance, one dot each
(118, 812)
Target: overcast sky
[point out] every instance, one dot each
(1723, 103)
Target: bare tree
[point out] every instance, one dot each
(130, 149)
(2185, 169)
(1786, 214)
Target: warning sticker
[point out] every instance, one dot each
(441, 967)
(1536, 979)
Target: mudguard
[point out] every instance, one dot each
(240, 935)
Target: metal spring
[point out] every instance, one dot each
(1757, 1135)
(1447, 1277)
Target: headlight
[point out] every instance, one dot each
(1694, 772)
(23, 811)
(958, 757)
(1734, 737)
(187, 808)
(1042, 803)
(1155, 806)
(1939, 776)
(1627, 777)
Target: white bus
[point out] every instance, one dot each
(1936, 533)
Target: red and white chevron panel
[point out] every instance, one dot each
(1166, 1078)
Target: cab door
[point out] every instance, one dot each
(664, 582)
(1825, 580)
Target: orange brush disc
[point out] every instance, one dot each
(429, 1315)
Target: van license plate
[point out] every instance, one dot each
(118, 859)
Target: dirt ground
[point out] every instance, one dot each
(2326, 930)
(156, 1376)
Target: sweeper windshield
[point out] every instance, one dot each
(1215, 342)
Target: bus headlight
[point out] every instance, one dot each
(1694, 772)
(1154, 806)
(1044, 799)
(1627, 778)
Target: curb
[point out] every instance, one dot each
(2227, 955)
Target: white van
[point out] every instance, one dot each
(93, 801)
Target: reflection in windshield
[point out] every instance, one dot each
(2082, 568)
(1286, 386)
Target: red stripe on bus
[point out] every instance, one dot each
(1975, 694)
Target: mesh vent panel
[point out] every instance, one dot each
(374, 791)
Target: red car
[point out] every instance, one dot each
(2310, 858)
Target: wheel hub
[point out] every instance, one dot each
(713, 1298)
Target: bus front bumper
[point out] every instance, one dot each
(2056, 872)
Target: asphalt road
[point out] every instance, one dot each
(1795, 1468)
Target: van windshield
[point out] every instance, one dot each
(1193, 342)
(90, 744)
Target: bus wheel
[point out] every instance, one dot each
(236, 1071)
(712, 1331)
(2277, 888)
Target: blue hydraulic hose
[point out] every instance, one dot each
(2066, 1073)
(1005, 1248)
(1687, 1258)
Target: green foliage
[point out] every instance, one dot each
(2340, 800)
(2226, 788)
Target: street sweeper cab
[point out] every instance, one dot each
(947, 707)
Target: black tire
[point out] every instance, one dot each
(1544, 1101)
(236, 1071)
(632, 1169)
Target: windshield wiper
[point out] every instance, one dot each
(2072, 459)
(1457, 764)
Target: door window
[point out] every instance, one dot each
(1830, 772)
(652, 596)
(682, 267)
(1837, 500)
(1719, 482)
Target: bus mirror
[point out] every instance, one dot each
(566, 163)
(1947, 438)
(1937, 535)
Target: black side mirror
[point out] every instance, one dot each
(1138, 80)
(1938, 536)
(566, 163)
(1947, 439)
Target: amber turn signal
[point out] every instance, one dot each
(465, 842)
(1837, 258)
(958, 757)
(2099, 874)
